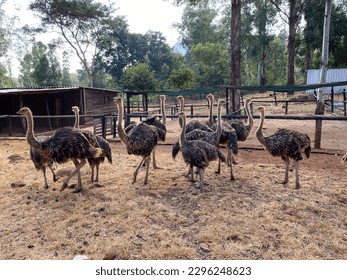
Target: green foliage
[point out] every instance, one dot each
(80, 22)
(40, 67)
(210, 62)
(199, 24)
(181, 79)
(139, 77)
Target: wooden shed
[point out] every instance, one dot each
(58, 101)
(95, 104)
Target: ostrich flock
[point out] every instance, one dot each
(199, 143)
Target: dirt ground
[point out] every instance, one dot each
(254, 217)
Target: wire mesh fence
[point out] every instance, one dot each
(16, 126)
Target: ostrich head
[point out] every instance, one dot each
(248, 101)
(210, 98)
(118, 100)
(180, 98)
(162, 97)
(75, 109)
(261, 109)
(25, 111)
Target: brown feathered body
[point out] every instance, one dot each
(287, 144)
(196, 124)
(242, 129)
(65, 144)
(140, 139)
(198, 153)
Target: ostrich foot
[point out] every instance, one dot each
(46, 186)
(55, 178)
(284, 182)
(156, 166)
(217, 171)
(64, 186)
(297, 186)
(232, 178)
(201, 187)
(77, 189)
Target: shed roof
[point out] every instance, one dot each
(333, 75)
(38, 90)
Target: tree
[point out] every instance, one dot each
(235, 54)
(181, 79)
(80, 22)
(210, 62)
(139, 77)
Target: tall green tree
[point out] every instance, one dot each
(210, 61)
(139, 77)
(80, 22)
(181, 78)
(235, 53)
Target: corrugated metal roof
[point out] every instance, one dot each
(333, 75)
(4, 91)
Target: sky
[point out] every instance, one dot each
(155, 15)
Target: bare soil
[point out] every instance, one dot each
(254, 217)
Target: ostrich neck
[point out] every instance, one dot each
(182, 138)
(210, 115)
(30, 132)
(219, 122)
(162, 107)
(181, 105)
(122, 135)
(249, 115)
(259, 133)
(77, 120)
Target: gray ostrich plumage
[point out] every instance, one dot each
(65, 144)
(140, 140)
(196, 124)
(243, 130)
(287, 144)
(94, 163)
(229, 138)
(197, 153)
(40, 163)
(160, 125)
(210, 137)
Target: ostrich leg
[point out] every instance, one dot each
(148, 161)
(155, 166)
(137, 170)
(44, 176)
(78, 165)
(297, 183)
(287, 163)
(201, 174)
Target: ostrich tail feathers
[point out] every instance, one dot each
(221, 156)
(233, 144)
(308, 151)
(175, 149)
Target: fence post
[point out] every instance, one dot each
(191, 111)
(275, 96)
(286, 110)
(332, 99)
(344, 101)
(103, 126)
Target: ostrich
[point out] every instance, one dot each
(197, 134)
(286, 144)
(76, 111)
(197, 153)
(229, 138)
(94, 163)
(210, 137)
(160, 125)
(242, 130)
(140, 140)
(195, 124)
(66, 143)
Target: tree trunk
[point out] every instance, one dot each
(324, 69)
(291, 45)
(235, 78)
